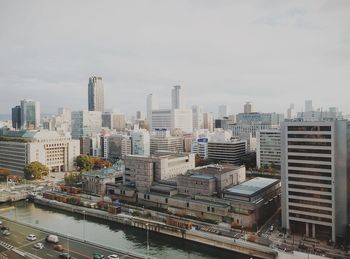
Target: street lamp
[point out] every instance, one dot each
(147, 237)
(84, 226)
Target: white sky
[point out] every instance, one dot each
(223, 52)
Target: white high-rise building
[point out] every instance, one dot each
(290, 111)
(141, 142)
(161, 119)
(96, 94)
(315, 178)
(268, 148)
(248, 107)
(223, 111)
(177, 98)
(197, 116)
(200, 147)
(86, 123)
(30, 114)
(308, 106)
(182, 119)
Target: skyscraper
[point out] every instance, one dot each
(16, 117)
(223, 111)
(208, 122)
(176, 98)
(30, 114)
(197, 116)
(96, 94)
(308, 106)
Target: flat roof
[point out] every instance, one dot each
(202, 176)
(215, 168)
(251, 187)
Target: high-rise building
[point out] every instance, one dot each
(197, 116)
(139, 115)
(268, 148)
(230, 151)
(223, 111)
(119, 145)
(163, 141)
(182, 120)
(200, 147)
(140, 142)
(177, 98)
(315, 178)
(290, 114)
(161, 119)
(96, 94)
(30, 114)
(107, 120)
(16, 117)
(86, 123)
(119, 122)
(208, 121)
(308, 106)
(248, 107)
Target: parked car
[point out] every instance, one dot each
(113, 257)
(31, 237)
(39, 246)
(52, 239)
(65, 256)
(58, 248)
(6, 233)
(4, 228)
(97, 256)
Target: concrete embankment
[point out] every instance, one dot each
(239, 246)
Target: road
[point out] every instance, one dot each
(76, 248)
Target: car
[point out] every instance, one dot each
(97, 256)
(0, 222)
(58, 248)
(52, 239)
(31, 237)
(4, 228)
(6, 233)
(280, 234)
(271, 228)
(113, 257)
(64, 256)
(39, 246)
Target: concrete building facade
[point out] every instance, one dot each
(95, 94)
(268, 148)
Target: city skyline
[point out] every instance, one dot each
(253, 52)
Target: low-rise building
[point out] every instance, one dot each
(94, 182)
(54, 150)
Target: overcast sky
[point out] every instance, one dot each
(223, 52)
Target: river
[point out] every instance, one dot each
(112, 234)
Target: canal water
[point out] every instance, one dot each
(112, 234)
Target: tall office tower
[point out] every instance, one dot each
(151, 105)
(248, 107)
(176, 98)
(208, 121)
(290, 114)
(223, 111)
(16, 117)
(86, 123)
(308, 106)
(314, 172)
(268, 148)
(96, 94)
(197, 116)
(141, 142)
(139, 115)
(30, 114)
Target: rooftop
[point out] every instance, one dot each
(102, 173)
(215, 169)
(253, 186)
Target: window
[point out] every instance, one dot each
(188, 204)
(166, 200)
(212, 209)
(208, 209)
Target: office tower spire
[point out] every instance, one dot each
(96, 94)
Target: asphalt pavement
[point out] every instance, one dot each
(76, 249)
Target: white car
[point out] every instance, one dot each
(6, 233)
(31, 237)
(39, 246)
(0, 222)
(113, 257)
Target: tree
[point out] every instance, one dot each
(4, 173)
(35, 170)
(84, 163)
(99, 163)
(73, 178)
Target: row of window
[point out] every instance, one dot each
(309, 128)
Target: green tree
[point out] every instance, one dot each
(73, 178)
(4, 173)
(35, 170)
(83, 163)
